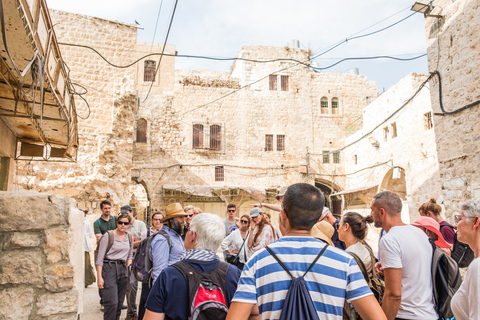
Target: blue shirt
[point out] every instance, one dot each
(160, 252)
(169, 294)
(332, 280)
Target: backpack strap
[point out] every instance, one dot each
(361, 265)
(110, 241)
(167, 236)
(285, 268)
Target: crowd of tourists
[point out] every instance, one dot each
(313, 266)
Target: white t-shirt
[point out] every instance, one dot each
(364, 255)
(407, 247)
(466, 301)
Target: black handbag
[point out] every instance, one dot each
(235, 259)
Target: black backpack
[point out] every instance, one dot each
(298, 303)
(142, 266)
(461, 252)
(206, 291)
(445, 281)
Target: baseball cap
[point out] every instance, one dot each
(255, 212)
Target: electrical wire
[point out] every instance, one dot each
(369, 58)
(156, 24)
(163, 50)
(440, 99)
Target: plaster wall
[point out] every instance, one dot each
(452, 47)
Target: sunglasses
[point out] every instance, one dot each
(244, 221)
(157, 220)
(232, 210)
(125, 223)
(190, 215)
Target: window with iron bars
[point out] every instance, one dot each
(206, 136)
(324, 105)
(280, 142)
(427, 121)
(284, 83)
(149, 70)
(219, 173)
(141, 131)
(272, 81)
(336, 157)
(335, 109)
(326, 156)
(269, 142)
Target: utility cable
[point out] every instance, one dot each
(368, 58)
(440, 99)
(156, 24)
(163, 50)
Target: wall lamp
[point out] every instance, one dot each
(374, 142)
(425, 9)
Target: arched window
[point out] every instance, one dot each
(141, 130)
(324, 105)
(335, 106)
(149, 70)
(215, 137)
(198, 136)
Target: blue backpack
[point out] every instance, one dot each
(298, 303)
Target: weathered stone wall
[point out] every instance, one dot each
(102, 170)
(7, 151)
(413, 149)
(41, 257)
(246, 116)
(452, 46)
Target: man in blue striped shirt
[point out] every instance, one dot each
(332, 280)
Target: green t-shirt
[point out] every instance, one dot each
(102, 226)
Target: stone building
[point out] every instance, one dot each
(202, 138)
(452, 47)
(394, 150)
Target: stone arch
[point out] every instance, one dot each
(394, 180)
(140, 200)
(328, 188)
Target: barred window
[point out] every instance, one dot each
(335, 106)
(269, 142)
(355, 159)
(394, 130)
(324, 105)
(336, 157)
(326, 156)
(215, 137)
(284, 83)
(272, 82)
(385, 133)
(280, 142)
(197, 136)
(219, 173)
(427, 121)
(141, 131)
(149, 70)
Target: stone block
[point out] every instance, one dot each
(21, 266)
(17, 303)
(57, 303)
(56, 245)
(23, 240)
(65, 316)
(59, 278)
(28, 211)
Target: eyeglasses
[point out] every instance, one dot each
(458, 217)
(190, 215)
(157, 220)
(244, 221)
(232, 210)
(125, 223)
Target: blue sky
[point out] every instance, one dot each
(219, 27)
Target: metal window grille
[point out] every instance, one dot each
(385, 133)
(197, 136)
(269, 142)
(355, 159)
(394, 130)
(141, 130)
(335, 106)
(281, 142)
(284, 83)
(272, 82)
(149, 70)
(324, 105)
(336, 157)
(427, 120)
(326, 156)
(219, 173)
(215, 137)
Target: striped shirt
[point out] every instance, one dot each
(334, 278)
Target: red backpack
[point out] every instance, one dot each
(206, 291)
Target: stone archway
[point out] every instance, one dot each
(328, 188)
(394, 180)
(140, 201)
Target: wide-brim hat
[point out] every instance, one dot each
(432, 225)
(281, 193)
(173, 210)
(323, 231)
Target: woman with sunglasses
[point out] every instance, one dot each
(115, 253)
(262, 231)
(465, 303)
(236, 242)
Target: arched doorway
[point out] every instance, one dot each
(140, 201)
(394, 180)
(334, 203)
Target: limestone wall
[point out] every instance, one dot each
(41, 257)
(413, 149)
(452, 46)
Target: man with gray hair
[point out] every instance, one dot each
(406, 262)
(170, 297)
